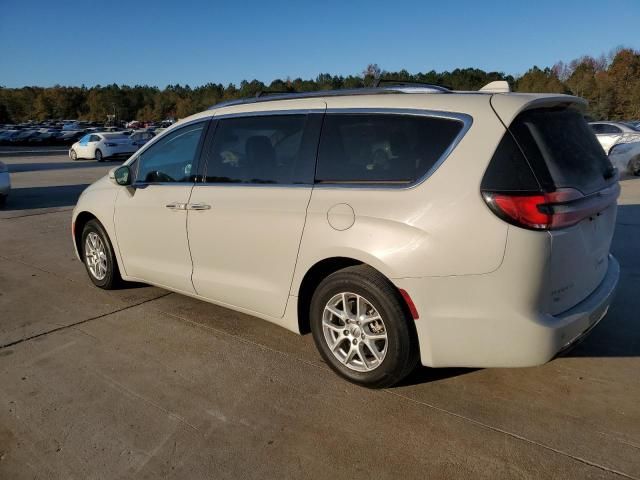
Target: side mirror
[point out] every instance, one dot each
(121, 175)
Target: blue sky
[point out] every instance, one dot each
(194, 42)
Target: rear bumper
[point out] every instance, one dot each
(465, 322)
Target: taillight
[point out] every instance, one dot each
(546, 211)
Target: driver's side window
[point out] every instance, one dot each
(171, 159)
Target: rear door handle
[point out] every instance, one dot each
(176, 206)
(198, 206)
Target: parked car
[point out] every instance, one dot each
(464, 243)
(612, 133)
(140, 137)
(100, 146)
(69, 137)
(626, 157)
(7, 135)
(5, 183)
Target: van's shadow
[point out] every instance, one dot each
(618, 334)
(29, 198)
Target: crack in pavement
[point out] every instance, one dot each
(512, 435)
(58, 210)
(71, 325)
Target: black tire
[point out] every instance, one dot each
(112, 278)
(634, 166)
(3, 201)
(402, 348)
(73, 155)
(99, 156)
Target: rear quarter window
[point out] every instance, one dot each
(382, 148)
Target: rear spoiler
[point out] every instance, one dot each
(507, 107)
(499, 86)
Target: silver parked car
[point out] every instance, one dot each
(612, 133)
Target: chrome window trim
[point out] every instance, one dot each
(465, 119)
(264, 113)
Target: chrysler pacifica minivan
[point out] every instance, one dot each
(398, 224)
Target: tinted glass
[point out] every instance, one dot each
(381, 148)
(508, 170)
(605, 128)
(562, 149)
(264, 149)
(172, 159)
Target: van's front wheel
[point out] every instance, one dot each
(98, 256)
(361, 329)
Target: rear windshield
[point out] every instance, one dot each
(562, 150)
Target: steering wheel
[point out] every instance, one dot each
(158, 176)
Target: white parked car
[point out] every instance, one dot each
(613, 133)
(102, 145)
(398, 225)
(5, 183)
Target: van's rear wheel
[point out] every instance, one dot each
(361, 328)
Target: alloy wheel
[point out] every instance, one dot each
(96, 256)
(354, 332)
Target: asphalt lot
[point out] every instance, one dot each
(144, 383)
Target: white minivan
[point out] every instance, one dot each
(398, 224)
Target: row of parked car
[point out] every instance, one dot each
(621, 142)
(61, 133)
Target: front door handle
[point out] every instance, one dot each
(176, 206)
(198, 206)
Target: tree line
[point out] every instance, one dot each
(611, 84)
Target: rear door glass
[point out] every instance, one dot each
(562, 149)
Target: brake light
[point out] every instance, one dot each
(525, 210)
(546, 211)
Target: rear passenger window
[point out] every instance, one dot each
(381, 148)
(259, 150)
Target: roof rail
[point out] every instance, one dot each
(410, 83)
(267, 96)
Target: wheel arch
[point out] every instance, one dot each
(318, 272)
(78, 226)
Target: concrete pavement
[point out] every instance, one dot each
(142, 383)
